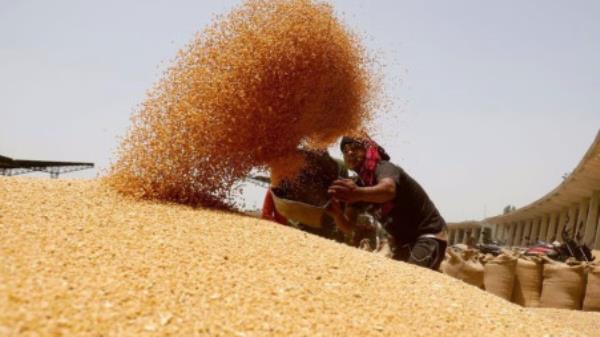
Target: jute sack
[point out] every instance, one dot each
(464, 266)
(563, 285)
(528, 281)
(499, 275)
(591, 301)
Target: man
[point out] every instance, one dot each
(418, 229)
(303, 201)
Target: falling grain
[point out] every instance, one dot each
(245, 93)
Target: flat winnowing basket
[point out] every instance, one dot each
(301, 212)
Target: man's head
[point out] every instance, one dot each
(354, 151)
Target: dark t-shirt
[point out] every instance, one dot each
(413, 213)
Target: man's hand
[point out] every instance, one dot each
(337, 212)
(335, 208)
(345, 190)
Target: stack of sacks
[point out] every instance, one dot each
(528, 281)
(499, 275)
(591, 302)
(563, 286)
(570, 285)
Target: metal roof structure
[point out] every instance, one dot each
(581, 183)
(469, 224)
(11, 167)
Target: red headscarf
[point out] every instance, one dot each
(372, 158)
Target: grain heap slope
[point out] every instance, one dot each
(77, 258)
(584, 322)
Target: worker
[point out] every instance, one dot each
(302, 201)
(411, 218)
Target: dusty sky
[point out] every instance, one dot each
(492, 101)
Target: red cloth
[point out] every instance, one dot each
(372, 158)
(367, 172)
(269, 212)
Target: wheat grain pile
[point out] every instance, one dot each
(584, 322)
(245, 93)
(79, 259)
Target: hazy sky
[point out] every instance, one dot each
(493, 100)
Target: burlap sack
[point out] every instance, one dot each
(563, 285)
(464, 266)
(484, 258)
(591, 301)
(499, 275)
(528, 281)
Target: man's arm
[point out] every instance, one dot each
(340, 217)
(347, 190)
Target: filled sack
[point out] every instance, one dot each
(528, 281)
(499, 275)
(591, 301)
(464, 266)
(563, 286)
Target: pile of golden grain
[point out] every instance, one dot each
(269, 76)
(79, 259)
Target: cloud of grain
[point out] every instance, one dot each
(245, 93)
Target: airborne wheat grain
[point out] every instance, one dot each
(245, 93)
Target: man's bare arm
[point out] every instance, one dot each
(347, 190)
(384, 191)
